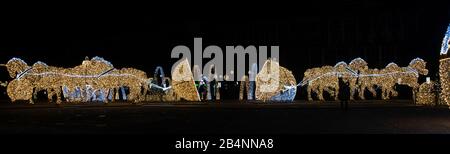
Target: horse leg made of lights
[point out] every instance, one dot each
(320, 92)
(44, 83)
(333, 88)
(387, 88)
(309, 91)
(20, 90)
(22, 86)
(353, 86)
(385, 93)
(336, 92)
(330, 82)
(410, 81)
(134, 94)
(137, 84)
(321, 79)
(410, 75)
(372, 90)
(364, 83)
(55, 91)
(313, 88)
(93, 92)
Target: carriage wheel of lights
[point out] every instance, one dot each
(93, 80)
(160, 87)
(359, 78)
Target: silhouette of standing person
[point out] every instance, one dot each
(344, 94)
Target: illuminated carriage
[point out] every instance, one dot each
(94, 80)
(97, 80)
(275, 83)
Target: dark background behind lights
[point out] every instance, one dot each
(309, 34)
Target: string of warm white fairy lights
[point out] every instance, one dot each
(411, 71)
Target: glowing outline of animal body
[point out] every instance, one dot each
(52, 90)
(386, 91)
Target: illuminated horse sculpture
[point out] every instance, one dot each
(359, 66)
(98, 76)
(359, 78)
(383, 79)
(409, 75)
(388, 81)
(320, 79)
(391, 75)
(388, 77)
(326, 78)
(21, 88)
(369, 80)
(373, 78)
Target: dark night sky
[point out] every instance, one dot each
(309, 34)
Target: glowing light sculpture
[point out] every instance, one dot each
(326, 79)
(97, 76)
(275, 83)
(183, 82)
(426, 94)
(444, 69)
(444, 74)
(359, 78)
